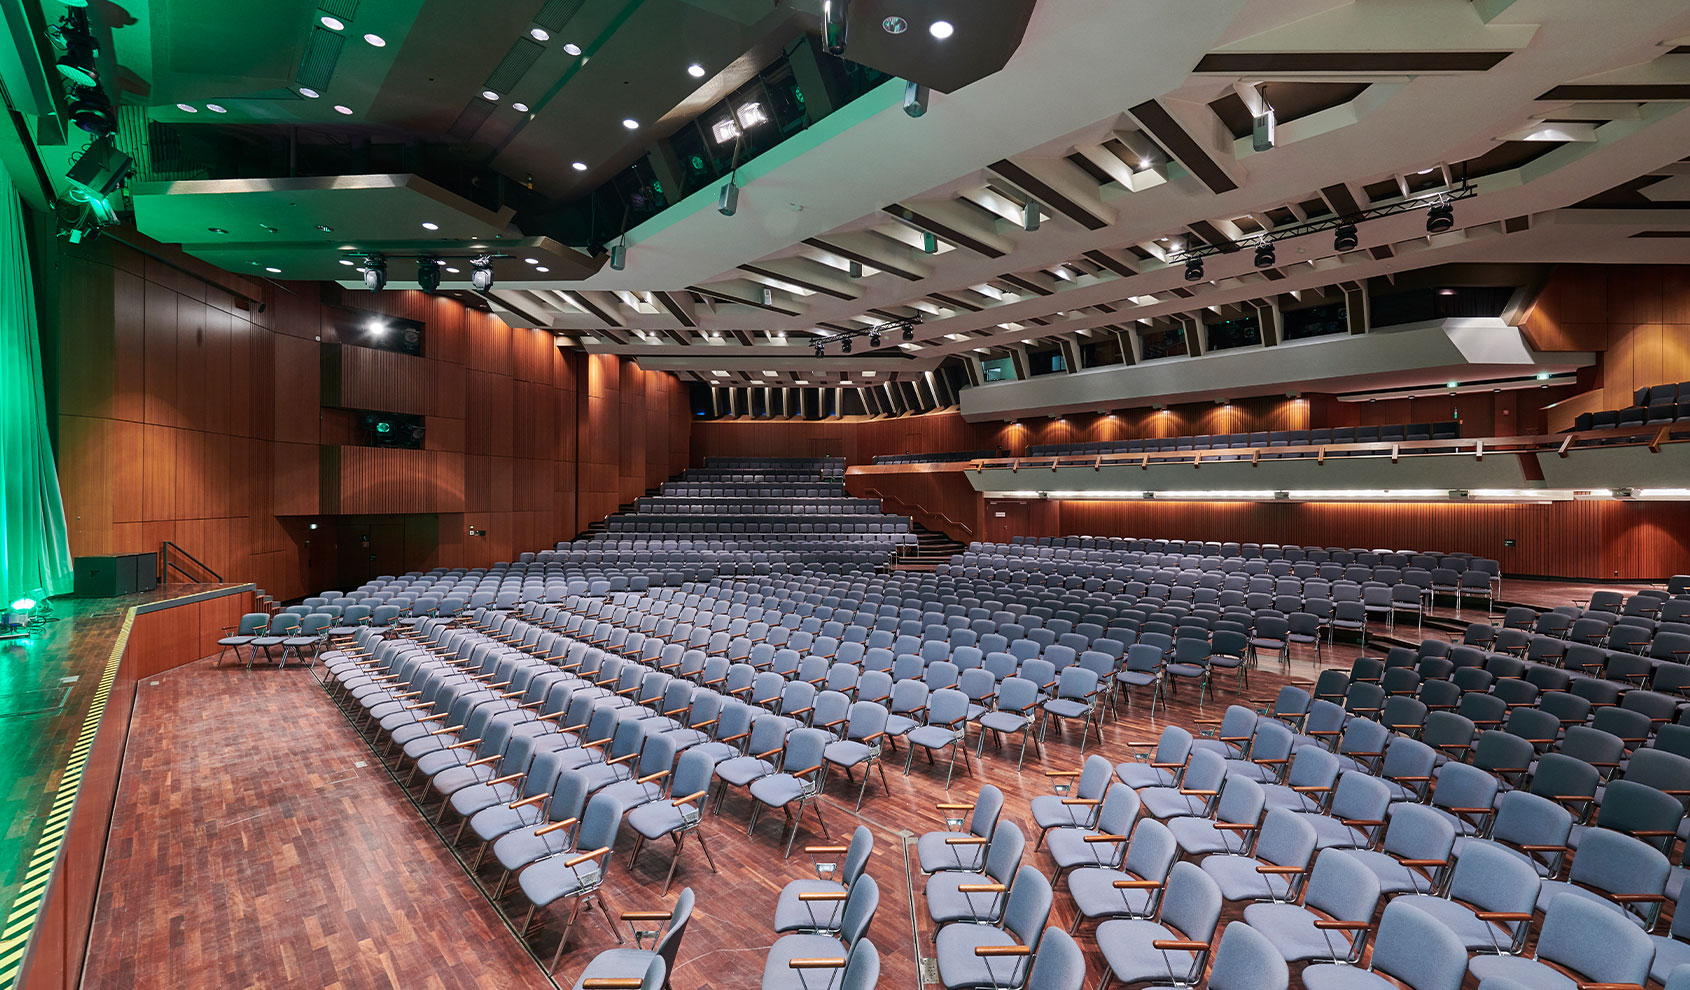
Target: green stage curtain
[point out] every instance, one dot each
(34, 547)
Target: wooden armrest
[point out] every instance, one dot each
(1179, 943)
(980, 888)
(954, 807)
(1417, 778)
(772, 752)
(1088, 801)
(1640, 898)
(554, 826)
(507, 778)
(1235, 826)
(965, 840)
(1198, 793)
(1002, 950)
(1424, 862)
(1540, 848)
(1234, 739)
(827, 850)
(612, 983)
(1309, 789)
(484, 761)
(1503, 915)
(587, 857)
(1062, 773)
(648, 778)
(1472, 811)
(1137, 884)
(829, 963)
(688, 799)
(1166, 766)
(1341, 926)
(536, 799)
(647, 915)
(1362, 822)
(824, 895)
(1105, 837)
(1280, 871)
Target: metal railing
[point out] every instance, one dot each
(166, 565)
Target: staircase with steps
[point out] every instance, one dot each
(932, 549)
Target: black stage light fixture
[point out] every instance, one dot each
(821, 349)
(874, 338)
(1265, 256)
(836, 22)
(1344, 237)
(1194, 270)
(909, 333)
(1440, 218)
(76, 65)
(845, 346)
(428, 274)
(482, 274)
(91, 111)
(375, 273)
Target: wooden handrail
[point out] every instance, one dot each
(918, 507)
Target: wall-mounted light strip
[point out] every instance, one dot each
(1356, 495)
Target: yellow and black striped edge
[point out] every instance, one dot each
(38, 873)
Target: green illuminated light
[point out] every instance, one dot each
(384, 427)
(23, 604)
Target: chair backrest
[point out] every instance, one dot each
(1418, 949)
(1601, 945)
(862, 967)
(670, 942)
(1343, 887)
(1491, 877)
(860, 905)
(1246, 960)
(1003, 853)
(1028, 907)
(1059, 965)
(987, 807)
(1191, 902)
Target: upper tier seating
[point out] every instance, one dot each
(1409, 433)
(1650, 406)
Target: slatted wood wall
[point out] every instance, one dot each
(184, 415)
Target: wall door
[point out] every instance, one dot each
(1005, 519)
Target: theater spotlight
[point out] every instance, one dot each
(91, 111)
(482, 274)
(909, 333)
(428, 274)
(1265, 256)
(874, 338)
(1194, 270)
(1344, 237)
(76, 65)
(821, 349)
(1440, 218)
(375, 273)
(845, 346)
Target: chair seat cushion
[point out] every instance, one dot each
(1004, 722)
(1142, 775)
(234, 641)
(778, 973)
(1670, 953)
(547, 881)
(1167, 802)
(1291, 930)
(946, 904)
(934, 855)
(1556, 888)
(1331, 976)
(777, 789)
(477, 798)
(847, 753)
(1394, 878)
(1200, 837)
(1069, 848)
(932, 736)
(617, 964)
(1050, 812)
(1066, 708)
(518, 848)
(742, 770)
(794, 915)
(959, 967)
(457, 778)
(1476, 934)
(1096, 896)
(1127, 948)
(658, 818)
(1527, 972)
(1330, 833)
(1238, 880)
(491, 822)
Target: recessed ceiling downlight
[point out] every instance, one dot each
(941, 29)
(332, 23)
(376, 40)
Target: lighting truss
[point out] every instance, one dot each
(1266, 237)
(881, 332)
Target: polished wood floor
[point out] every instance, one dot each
(258, 842)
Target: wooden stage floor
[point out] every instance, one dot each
(258, 842)
(48, 682)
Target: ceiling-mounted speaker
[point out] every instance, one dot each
(618, 256)
(915, 99)
(727, 202)
(101, 169)
(1261, 130)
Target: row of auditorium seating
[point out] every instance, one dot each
(1409, 433)
(949, 457)
(1398, 756)
(1652, 405)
